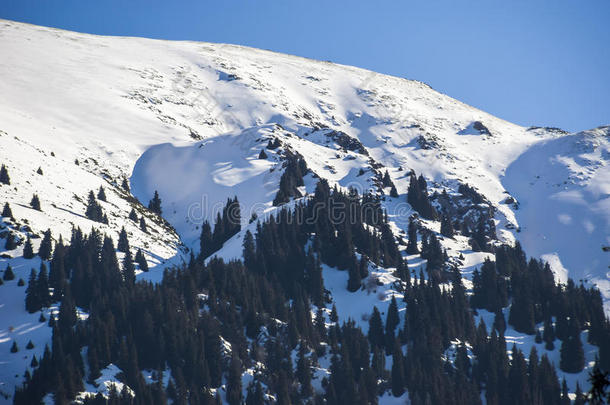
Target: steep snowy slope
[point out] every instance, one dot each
(189, 120)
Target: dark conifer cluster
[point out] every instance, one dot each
(418, 198)
(291, 179)
(228, 223)
(94, 210)
(206, 323)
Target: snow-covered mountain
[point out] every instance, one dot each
(189, 119)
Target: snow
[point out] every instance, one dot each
(189, 118)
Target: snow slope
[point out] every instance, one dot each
(188, 119)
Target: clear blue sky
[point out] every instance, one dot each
(532, 62)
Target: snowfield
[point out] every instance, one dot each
(189, 119)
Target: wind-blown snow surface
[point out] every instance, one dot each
(189, 119)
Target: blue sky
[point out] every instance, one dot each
(532, 62)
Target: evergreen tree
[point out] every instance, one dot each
(133, 215)
(262, 154)
(6, 211)
(572, 357)
(355, 280)
(28, 249)
(129, 270)
(8, 273)
(154, 205)
(94, 211)
(398, 374)
(39, 171)
(125, 185)
(446, 226)
(141, 260)
(123, 243)
(255, 394)
(32, 301)
(393, 192)
(42, 287)
(4, 177)
(11, 243)
(234, 387)
(376, 334)
(35, 203)
(14, 347)
(46, 246)
(101, 194)
(143, 226)
(412, 248)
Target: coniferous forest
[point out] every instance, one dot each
(209, 321)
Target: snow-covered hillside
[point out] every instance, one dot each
(189, 119)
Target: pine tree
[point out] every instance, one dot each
(46, 246)
(39, 171)
(14, 347)
(4, 177)
(20, 283)
(262, 155)
(34, 362)
(101, 194)
(255, 394)
(386, 181)
(35, 203)
(392, 317)
(28, 249)
(6, 211)
(154, 205)
(8, 274)
(30, 345)
(548, 335)
(42, 286)
(125, 185)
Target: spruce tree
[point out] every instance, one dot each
(35, 203)
(28, 249)
(46, 246)
(133, 215)
(572, 357)
(141, 260)
(123, 243)
(125, 185)
(11, 243)
(32, 300)
(94, 211)
(8, 273)
(4, 177)
(42, 286)
(14, 347)
(376, 335)
(393, 192)
(39, 171)
(154, 205)
(398, 375)
(234, 387)
(412, 248)
(446, 226)
(101, 194)
(143, 226)
(262, 154)
(355, 280)
(6, 211)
